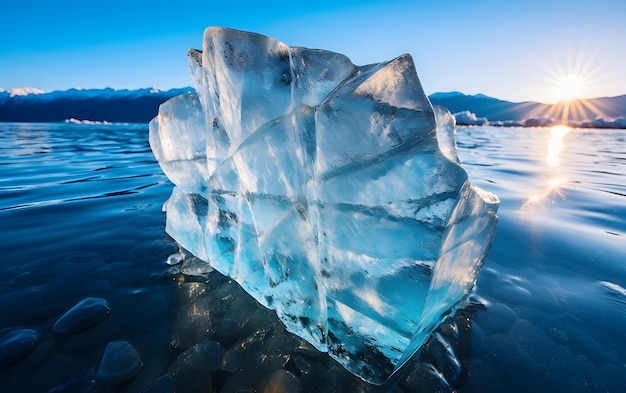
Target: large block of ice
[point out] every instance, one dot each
(330, 192)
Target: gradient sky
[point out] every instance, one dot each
(513, 50)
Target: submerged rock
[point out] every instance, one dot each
(245, 353)
(206, 356)
(192, 324)
(17, 344)
(83, 315)
(192, 369)
(119, 363)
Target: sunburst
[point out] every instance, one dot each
(568, 88)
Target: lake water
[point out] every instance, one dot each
(80, 208)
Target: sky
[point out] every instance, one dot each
(516, 50)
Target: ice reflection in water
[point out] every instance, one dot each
(224, 341)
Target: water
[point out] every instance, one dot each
(81, 216)
(554, 281)
(80, 207)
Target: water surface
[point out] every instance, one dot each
(81, 216)
(553, 284)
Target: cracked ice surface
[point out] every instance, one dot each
(330, 192)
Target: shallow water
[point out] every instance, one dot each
(81, 212)
(81, 216)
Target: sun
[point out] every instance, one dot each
(572, 77)
(570, 87)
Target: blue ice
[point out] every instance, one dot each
(332, 193)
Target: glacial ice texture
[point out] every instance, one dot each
(332, 193)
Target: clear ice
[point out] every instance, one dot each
(332, 193)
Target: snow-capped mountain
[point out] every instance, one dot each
(21, 91)
(131, 106)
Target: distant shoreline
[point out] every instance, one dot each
(140, 106)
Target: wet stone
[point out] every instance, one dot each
(304, 347)
(119, 363)
(457, 330)
(16, 344)
(424, 377)
(193, 324)
(244, 316)
(189, 291)
(245, 348)
(302, 365)
(441, 355)
(223, 296)
(271, 363)
(83, 315)
(36, 358)
(234, 311)
(245, 353)
(279, 341)
(206, 356)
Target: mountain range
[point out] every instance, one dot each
(605, 112)
(139, 106)
(119, 106)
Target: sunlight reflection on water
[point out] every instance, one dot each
(555, 179)
(555, 145)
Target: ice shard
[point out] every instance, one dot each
(332, 193)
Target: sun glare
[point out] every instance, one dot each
(572, 77)
(570, 87)
(555, 180)
(555, 145)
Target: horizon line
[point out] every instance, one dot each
(29, 90)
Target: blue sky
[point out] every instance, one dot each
(514, 50)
